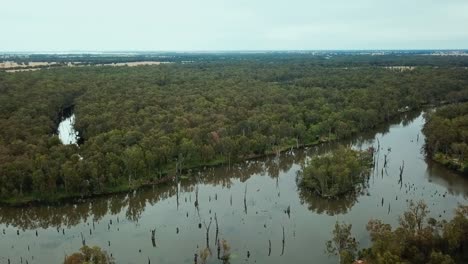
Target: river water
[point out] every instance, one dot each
(249, 201)
(66, 131)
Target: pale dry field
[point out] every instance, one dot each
(10, 66)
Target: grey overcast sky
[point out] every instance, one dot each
(168, 25)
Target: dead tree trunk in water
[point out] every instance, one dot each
(83, 241)
(177, 193)
(401, 172)
(269, 247)
(196, 197)
(153, 237)
(288, 211)
(245, 199)
(217, 230)
(282, 249)
(207, 227)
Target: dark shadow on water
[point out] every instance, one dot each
(455, 183)
(327, 206)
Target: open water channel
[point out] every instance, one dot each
(122, 223)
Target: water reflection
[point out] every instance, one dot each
(66, 130)
(134, 203)
(455, 184)
(327, 206)
(122, 223)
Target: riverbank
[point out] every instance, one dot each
(271, 185)
(445, 131)
(451, 163)
(167, 175)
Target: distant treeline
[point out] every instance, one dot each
(328, 59)
(141, 123)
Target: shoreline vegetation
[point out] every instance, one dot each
(337, 173)
(125, 188)
(145, 125)
(446, 136)
(418, 238)
(168, 178)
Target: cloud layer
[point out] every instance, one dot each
(57, 25)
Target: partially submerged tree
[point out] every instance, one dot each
(342, 244)
(224, 255)
(89, 255)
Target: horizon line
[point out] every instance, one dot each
(222, 51)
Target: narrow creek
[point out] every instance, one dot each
(249, 200)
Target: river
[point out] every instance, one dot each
(66, 130)
(122, 223)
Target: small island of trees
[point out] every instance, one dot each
(337, 173)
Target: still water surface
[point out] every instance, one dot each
(66, 130)
(121, 223)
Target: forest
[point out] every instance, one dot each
(446, 133)
(310, 58)
(143, 124)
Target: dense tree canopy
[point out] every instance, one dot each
(337, 173)
(139, 123)
(446, 133)
(342, 244)
(312, 58)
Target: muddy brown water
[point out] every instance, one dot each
(121, 224)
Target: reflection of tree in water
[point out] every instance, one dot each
(408, 117)
(99, 209)
(270, 165)
(383, 129)
(327, 206)
(456, 184)
(116, 203)
(44, 216)
(71, 214)
(136, 206)
(275, 165)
